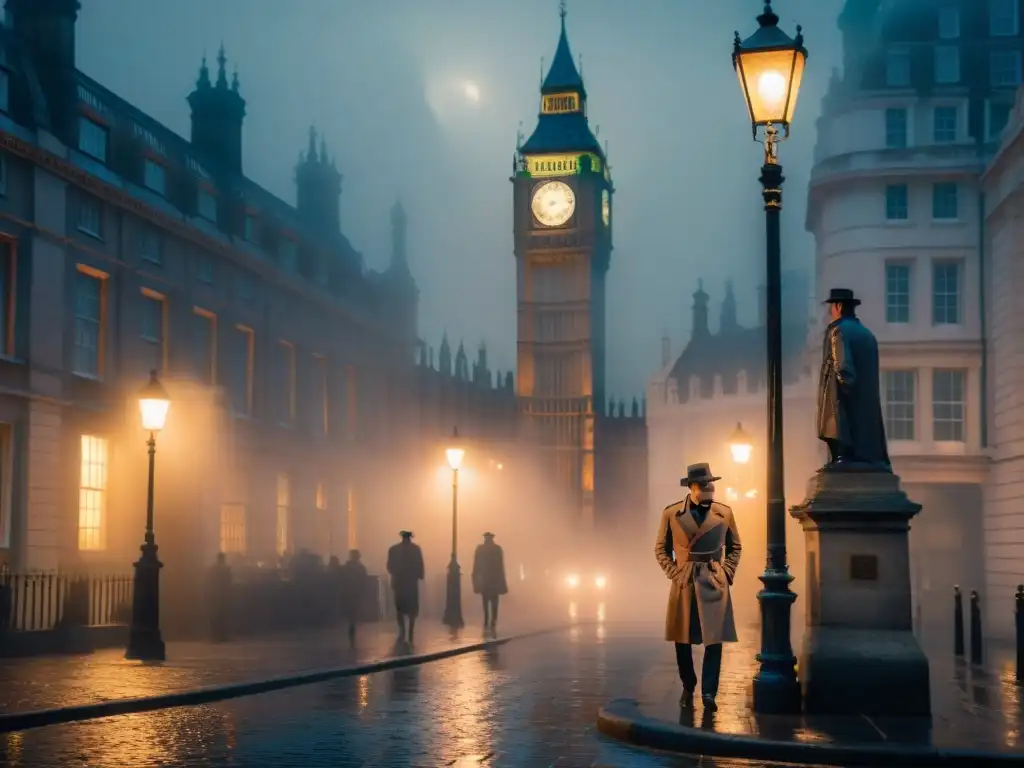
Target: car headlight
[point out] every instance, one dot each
(572, 581)
(600, 582)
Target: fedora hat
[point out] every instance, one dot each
(698, 473)
(841, 296)
(488, 535)
(405, 534)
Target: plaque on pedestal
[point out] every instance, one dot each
(859, 655)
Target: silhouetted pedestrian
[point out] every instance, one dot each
(220, 599)
(489, 578)
(353, 592)
(405, 566)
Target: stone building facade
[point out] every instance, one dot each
(292, 367)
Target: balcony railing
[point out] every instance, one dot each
(36, 602)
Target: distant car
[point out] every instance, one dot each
(564, 585)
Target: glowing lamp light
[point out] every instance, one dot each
(455, 452)
(751, 494)
(770, 67)
(740, 445)
(572, 581)
(600, 582)
(153, 404)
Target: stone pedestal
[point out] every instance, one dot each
(859, 655)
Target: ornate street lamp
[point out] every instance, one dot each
(145, 642)
(740, 445)
(453, 597)
(770, 66)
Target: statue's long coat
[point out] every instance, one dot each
(405, 566)
(489, 570)
(849, 400)
(689, 619)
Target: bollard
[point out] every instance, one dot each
(1020, 632)
(976, 654)
(958, 623)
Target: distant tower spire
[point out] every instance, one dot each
(222, 63)
(311, 154)
(203, 81)
(562, 11)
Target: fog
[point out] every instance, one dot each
(423, 101)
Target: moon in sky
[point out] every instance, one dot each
(471, 91)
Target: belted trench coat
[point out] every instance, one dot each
(689, 618)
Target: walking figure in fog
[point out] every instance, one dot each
(489, 579)
(353, 592)
(219, 601)
(405, 566)
(698, 548)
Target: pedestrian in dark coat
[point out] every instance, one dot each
(489, 578)
(405, 566)
(353, 591)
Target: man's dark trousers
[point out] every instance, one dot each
(710, 669)
(490, 610)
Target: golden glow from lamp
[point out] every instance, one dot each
(153, 404)
(770, 66)
(740, 445)
(455, 452)
(572, 580)
(600, 582)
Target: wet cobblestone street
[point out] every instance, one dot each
(531, 703)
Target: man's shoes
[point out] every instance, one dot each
(686, 698)
(709, 703)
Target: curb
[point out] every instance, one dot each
(21, 721)
(622, 720)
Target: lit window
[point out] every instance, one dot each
(896, 128)
(232, 529)
(150, 245)
(899, 389)
(945, 201)
(944, 127)
(946, 293)
(897, 206)
(897, 68)
(949, 22)
(152, 330)
(284, 502)
(947, 64)
(948, 405)
(897, 293)
(92, 493)
(1004, 69)
(289, 254)
(92, 139)
(88, 324)
(90, 216)
(207, 205)
(1003, 18)
(204, 345)
(286, 387)
(155, 176)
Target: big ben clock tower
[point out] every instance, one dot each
(563, 243)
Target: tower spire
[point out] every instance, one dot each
(222, 63)
(562, 12)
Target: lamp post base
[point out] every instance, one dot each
(453, 597)
(776, 690)
(145, 642)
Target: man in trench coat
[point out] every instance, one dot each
(489, 578)
(405, 567)
(698, 548)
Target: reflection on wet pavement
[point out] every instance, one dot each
(531, 703)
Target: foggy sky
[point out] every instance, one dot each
(384, 82)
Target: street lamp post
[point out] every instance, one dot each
(145, 642)
(453, 602)
(770, 66)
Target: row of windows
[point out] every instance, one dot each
(1003, 19)
(1004, 67)
(899, 394)
(947, 282)
(233, 366)
(945, 201)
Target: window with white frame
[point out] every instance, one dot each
(948, 405)
(92, 492)
(289, 253)
(232, 529)
(151, 245)
(1003, 18)
(6, 484)
(154, 176)
(946, 281)
(949, 22)
(152, 330)
(897, 293)
(944, 120)
(93, 138)
(897, 204)
(947, 64)
(897, 67)
(896, 128)
(90, 216)
(945, 201)
(284, 508)
(88, 344)
(1004, 68)
(207, 204)
(899, 392)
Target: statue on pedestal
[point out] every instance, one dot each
(849, 398)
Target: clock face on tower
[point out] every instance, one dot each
(606, 207)
(553, 203)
